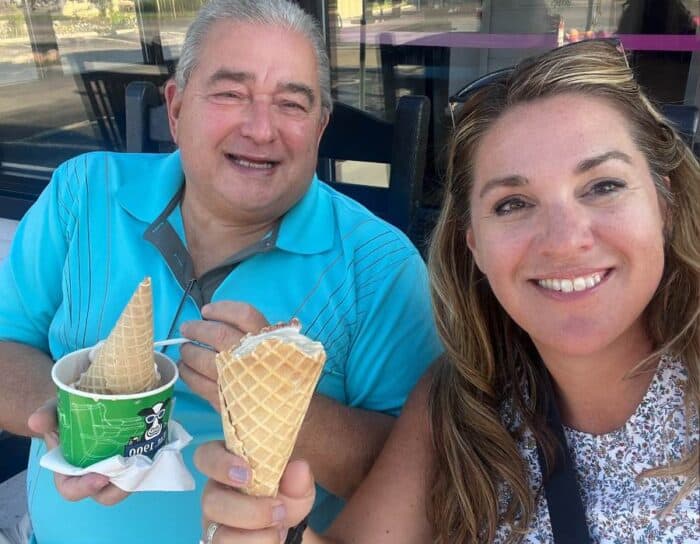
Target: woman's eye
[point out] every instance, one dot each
(606, 187)
(509, 206)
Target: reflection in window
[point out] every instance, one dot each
(174, 17)
(383, 49)
(62, 63)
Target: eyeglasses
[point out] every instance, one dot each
(466, 92)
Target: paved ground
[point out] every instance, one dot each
(13, 500)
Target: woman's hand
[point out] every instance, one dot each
(245, 519)
(72, 488)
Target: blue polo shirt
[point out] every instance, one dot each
(355, 283)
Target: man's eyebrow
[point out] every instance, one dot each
(508, 181)
(299, 88)
(224, 74)
(588, 164)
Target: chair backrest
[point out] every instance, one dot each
(147, 129)
(355, 135)
(351, 134)
(102, 87)
(684, 118)
(417, 69)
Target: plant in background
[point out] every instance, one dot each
(13, 25)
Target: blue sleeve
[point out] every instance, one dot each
(30, 276)
(397, 339)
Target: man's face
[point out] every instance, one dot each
(249, 121)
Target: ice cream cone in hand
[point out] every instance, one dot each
(265, 387)
(124, 363)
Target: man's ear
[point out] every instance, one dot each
(471, 243)
(323, 123)
(173, 100)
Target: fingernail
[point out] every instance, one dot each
(283, 535)
(279, 512)
(205, 309)
(238, 474)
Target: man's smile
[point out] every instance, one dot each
(248, 162)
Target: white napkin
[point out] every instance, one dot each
(165, 472)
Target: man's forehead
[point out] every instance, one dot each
(256, 33)
(247, 48)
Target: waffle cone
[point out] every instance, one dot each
(124, 363)
(264, 394)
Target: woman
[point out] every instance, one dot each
(565, 267)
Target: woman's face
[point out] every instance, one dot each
(567, 225)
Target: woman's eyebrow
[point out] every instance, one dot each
(507, 181)
(581, 167)
(592, 162)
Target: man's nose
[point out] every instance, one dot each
(258, 124)
(566, 229)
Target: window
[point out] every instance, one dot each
(64, 64)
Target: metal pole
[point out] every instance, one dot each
(363, 35)
(589, 17)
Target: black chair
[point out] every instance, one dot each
(684, 118)
(15, 454)
(147, 129)
(351, 135)
(419, 69)
(103, 94)
(355, 135)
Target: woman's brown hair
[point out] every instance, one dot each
(491, 384)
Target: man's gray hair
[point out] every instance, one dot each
(264, 12)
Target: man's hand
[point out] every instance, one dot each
(223, 326)
(26, 384)
(243, 518)
(73, 488)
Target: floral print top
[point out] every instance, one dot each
(620, 507)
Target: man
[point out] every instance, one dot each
(236, 232)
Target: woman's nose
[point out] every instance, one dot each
(566, 229)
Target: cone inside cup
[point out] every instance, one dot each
(116, 398)
(123, 363)
(94, 426)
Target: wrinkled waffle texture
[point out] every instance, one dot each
(124, 363)
(264, 397)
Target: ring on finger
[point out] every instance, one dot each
(211, 531)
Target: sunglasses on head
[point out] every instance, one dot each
(461, 96)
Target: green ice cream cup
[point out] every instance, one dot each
(93, 427)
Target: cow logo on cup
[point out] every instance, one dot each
(155, 434)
